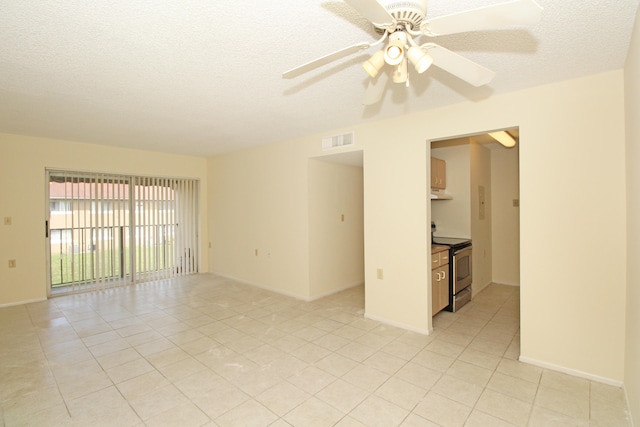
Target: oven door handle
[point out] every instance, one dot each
(459, 251)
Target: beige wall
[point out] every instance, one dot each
(562, 127)
(632, 98)
(22, 188)
(336, 227)
(258, 217)
(576, 146)
(505, 217)
(562, 130)
(481, 216)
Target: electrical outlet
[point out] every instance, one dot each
(342, 218)
(380, 274)
(256, 252)
(12, 263)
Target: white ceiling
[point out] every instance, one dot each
(204, 76)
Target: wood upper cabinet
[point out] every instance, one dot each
(439, 281)
(438, 173)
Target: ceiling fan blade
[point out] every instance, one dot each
(373, 11)
(515, 12)
(461, 67)
(325, 60)
(375, 90)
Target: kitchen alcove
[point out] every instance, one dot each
(483, 178)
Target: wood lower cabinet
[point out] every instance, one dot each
(439, 281)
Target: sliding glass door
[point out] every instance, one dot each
(111, 230)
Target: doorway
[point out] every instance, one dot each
(483, 185)
(336, 223)
(483, 182)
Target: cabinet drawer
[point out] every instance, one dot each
(439, 259)
(444, 257)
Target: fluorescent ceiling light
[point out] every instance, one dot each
(504, 138)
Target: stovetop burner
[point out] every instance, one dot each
(454, 242)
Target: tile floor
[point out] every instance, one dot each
(207, 351)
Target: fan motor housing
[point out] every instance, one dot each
(412, 11)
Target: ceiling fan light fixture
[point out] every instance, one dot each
(504, 138)
(420, 59)
(374, 64)
(394, 52)
(393, 55)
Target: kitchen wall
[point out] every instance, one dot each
(562, 129)
(469, 168)
(336, 227)
(453, 217)
(22, 188)
(632, 103)
(505, 232)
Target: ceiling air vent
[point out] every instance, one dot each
(338, 141)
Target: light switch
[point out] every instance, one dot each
(481, 202)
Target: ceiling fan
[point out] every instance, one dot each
(403, 22)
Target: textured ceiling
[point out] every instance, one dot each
(204, 76)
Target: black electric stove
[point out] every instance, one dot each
(452, 242)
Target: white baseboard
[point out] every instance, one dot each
(263, 286)
(476, 289)
(289, 294)
(397, 324)
(336, 290)
(30, 301)
(573, 372)
(507, 283)
(626, 399)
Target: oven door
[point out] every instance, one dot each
(462, 275)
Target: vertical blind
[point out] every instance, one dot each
(111, 230)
